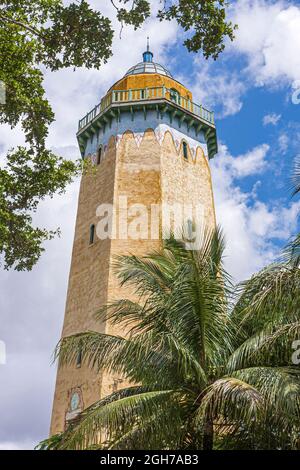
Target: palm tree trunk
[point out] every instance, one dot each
(208, 436)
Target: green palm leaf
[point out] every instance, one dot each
(109, 418)
(213, 370)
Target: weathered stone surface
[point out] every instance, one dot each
(148, 174)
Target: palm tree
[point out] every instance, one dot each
(295, 180)
(292, 251)
(204, 374)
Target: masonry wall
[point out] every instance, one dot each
(145, 172)
(187, 182)
(87, 288)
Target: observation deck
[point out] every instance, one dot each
(161, 99)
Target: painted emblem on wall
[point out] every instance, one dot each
(75, 401)
(75, 405)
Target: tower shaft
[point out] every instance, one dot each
(150, 157)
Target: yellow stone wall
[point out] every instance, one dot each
(147, 174)
(186, 182)
(88, 286)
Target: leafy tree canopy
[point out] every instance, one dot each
(51, 34)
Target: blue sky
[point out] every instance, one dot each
(251, 127)
(250, 89)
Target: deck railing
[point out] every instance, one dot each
(146, 94)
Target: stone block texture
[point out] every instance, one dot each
(149, 174)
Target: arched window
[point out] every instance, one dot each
(92, 234)
(185, 150)
(190, 229)
(174, 96)
(78, 359)
(99, 154)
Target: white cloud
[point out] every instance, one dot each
(250, 163)
(268, 35)
(223, 89)
(283, 142)
(272, 118)
(10, 138)
(275, 221)
(214, 88)
(19, 445)
(266, 46)
(250, 225)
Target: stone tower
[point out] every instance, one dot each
(150, 146)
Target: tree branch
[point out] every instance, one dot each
(114, 5)
(32, 30)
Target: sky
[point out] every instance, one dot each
(254, 88)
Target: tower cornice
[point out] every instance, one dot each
(160, 99)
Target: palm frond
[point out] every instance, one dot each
(204, 366)
(185, 296)
(94, 348)
(296, 177)
(268, 346)
(291, 253)
(51, 443)
(163, 431)
(280, 387)
(272, 295)
(231, 399)
(140, 358)
(108, 419)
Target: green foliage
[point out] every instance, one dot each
(206, 19)
(24, 183)
(210, 374)
(138, 13)
(52, 443)
(296, 176)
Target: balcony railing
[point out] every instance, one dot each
(146, 94)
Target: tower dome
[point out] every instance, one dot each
(148, 66)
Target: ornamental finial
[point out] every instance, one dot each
(147, 56)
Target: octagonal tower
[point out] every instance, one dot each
(149, 145)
